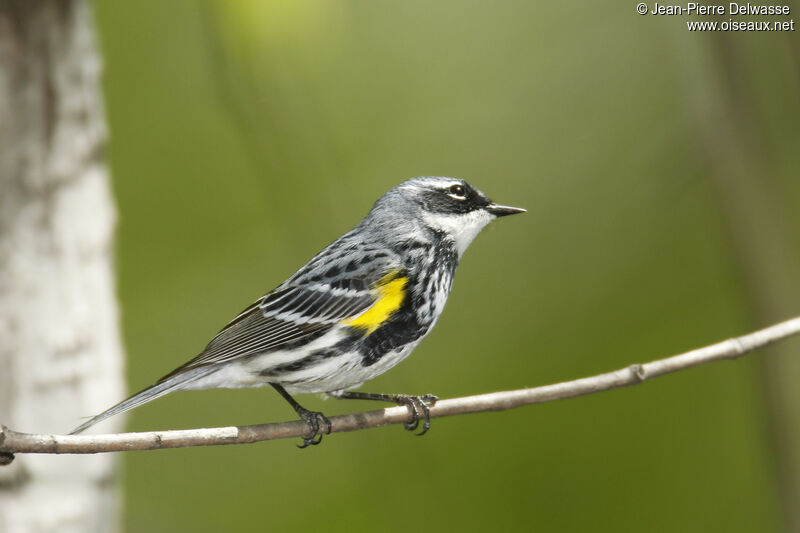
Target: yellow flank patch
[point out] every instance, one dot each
(391, 291)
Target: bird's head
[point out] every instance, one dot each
(448, 206)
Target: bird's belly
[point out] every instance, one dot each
(346, 371)
(320, 367)
(255, 371)
(298, 373)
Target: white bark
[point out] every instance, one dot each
(60, 349)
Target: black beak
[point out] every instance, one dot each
(503, 210)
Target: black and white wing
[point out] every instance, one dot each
(335, 285)
(338, 284)
(283, 317)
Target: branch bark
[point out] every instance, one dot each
(12, 442)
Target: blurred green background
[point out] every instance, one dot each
(660, 171)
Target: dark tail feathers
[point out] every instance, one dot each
(151, 393)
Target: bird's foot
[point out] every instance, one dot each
(420, 410)
(314, 419)
(418, 405)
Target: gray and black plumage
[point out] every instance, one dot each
(352, 312)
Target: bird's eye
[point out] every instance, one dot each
(458, 191)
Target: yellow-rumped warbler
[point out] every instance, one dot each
(354, 311)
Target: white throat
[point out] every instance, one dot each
(462, 228)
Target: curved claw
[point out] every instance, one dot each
(414, 424)
(313, 418)
(419, 406)
(409, 401)
(310, 441)
(426, 402)
(426, 413)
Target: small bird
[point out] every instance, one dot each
(351, 313)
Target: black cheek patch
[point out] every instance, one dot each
(441, 202)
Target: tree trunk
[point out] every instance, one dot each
(60, 349)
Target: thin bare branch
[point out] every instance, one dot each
(12, 442)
